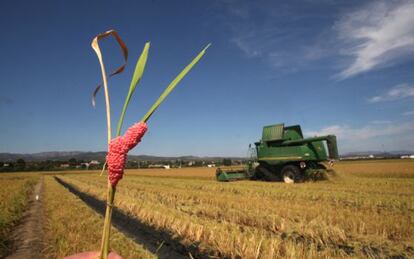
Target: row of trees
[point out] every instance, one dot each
(49, 165)
(22, 165)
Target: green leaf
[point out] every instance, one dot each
(173, 84)
(139, 71)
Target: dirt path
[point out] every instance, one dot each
(28, 234)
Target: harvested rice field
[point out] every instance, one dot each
(365, 211)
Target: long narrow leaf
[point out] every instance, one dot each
(173, 84)
(139, 71)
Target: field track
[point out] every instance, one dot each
(28, 236)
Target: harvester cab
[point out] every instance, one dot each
(284, 154)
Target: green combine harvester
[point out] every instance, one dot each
(284, 155)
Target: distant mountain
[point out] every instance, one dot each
(54, 155)
(378, 153)
(100, 156)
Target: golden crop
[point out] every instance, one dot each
(72, 227)
(367, 214)
(367, 210)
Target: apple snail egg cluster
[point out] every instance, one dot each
(118, 150)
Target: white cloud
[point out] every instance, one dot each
(408, 113)
(366, 132)
(395, 93)
(391, 136)
(380, 121)
(288, 38)
(245, 44)
(377, 35)
(282, 36)
(238, 10)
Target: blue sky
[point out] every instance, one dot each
(334, 67)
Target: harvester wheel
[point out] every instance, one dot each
(291, 174)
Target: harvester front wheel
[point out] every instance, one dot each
(291, 174)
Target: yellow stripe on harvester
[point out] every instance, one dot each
(282, 158)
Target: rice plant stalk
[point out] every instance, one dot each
(111, 191)
(139, 69)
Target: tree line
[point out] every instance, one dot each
(20, 165)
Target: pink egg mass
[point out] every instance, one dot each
(118, 150)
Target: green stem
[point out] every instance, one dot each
(111, 191)
(107, 223)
